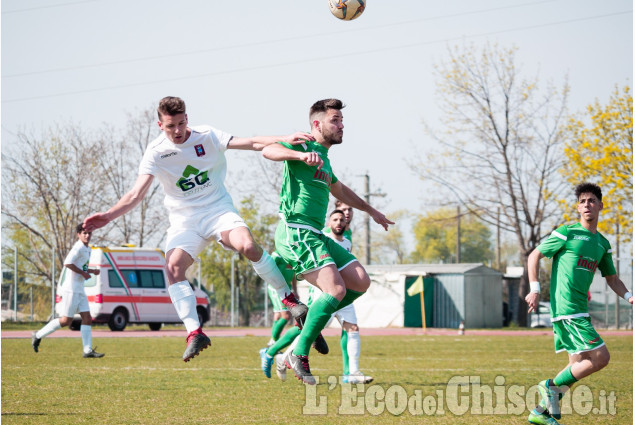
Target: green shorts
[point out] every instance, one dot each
(575, 335)
(306, 250)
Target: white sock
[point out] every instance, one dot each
(184, 302)
(48, 329)
(354, 348)
(87, 337)
(290, 347)
(268, 271)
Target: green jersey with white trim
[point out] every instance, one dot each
(576, 254)
(304, 197)
(347, 233)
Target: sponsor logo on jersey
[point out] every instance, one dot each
(200, 151)
(587, 265)
(323, 256)
(581, 238)
(167, 155)
(192, 177)
(593, 341)
(323, 177)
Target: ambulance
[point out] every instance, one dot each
(132, 287)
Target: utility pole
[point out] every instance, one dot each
(617, 263)
(458, 234)
(498, 240)
(367, 196)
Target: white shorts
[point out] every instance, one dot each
(73, 302)
(346, 314)
(192, 235)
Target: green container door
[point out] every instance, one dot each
(412, 304)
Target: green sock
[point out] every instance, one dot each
(283, 342)
(344, 345)
(349, 298)
(565, 378)
(277, 328)
(319, 314)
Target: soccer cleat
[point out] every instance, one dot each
(197, 341)
(35, 342)
(357, 378)
(300, 367)
(281, 368)
(550, 398)
(320, 345)
(92, 354)
(265, 362)
(297, 309)
(541, 419)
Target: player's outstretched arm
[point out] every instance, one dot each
(618, 287)
(346, 195)
(258, 143)
(533, 262)
(125, 204)
(277, 152)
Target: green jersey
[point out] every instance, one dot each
(576, 254)
(347, 233)
(304, 197)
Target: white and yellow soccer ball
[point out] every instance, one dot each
(347, 10)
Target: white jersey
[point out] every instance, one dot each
(78, 256)
(192, 173)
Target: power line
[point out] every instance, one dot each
(275, 41)
(304, 61)
(6, 12)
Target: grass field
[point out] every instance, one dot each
(143, 381)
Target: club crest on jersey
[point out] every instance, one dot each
(200, 151)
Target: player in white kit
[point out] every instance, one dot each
(190, 164)
(73, 296)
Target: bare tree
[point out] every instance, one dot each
(147, 223)
(51, 183)
(502, 146)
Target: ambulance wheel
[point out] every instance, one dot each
(202, 315)
(118, 320)
(155, 326)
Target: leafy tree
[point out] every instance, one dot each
(435, 235)
(601, 151)
(502, 146)
(216, 263)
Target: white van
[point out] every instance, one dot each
(132, 287)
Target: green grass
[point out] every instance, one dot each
(144, 381)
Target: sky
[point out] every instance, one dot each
(255, 67)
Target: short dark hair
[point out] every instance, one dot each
(170, 105)
(588, 188)
(79, 228)
(324, 105)
(336, 212)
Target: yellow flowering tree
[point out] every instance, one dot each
(601, 151)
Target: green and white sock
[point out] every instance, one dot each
(286, 339)
(319, 314)
(344, 345)
(277, 328)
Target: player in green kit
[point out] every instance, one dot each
(577, 251)
(307, 181)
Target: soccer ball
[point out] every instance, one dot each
(347, 10)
